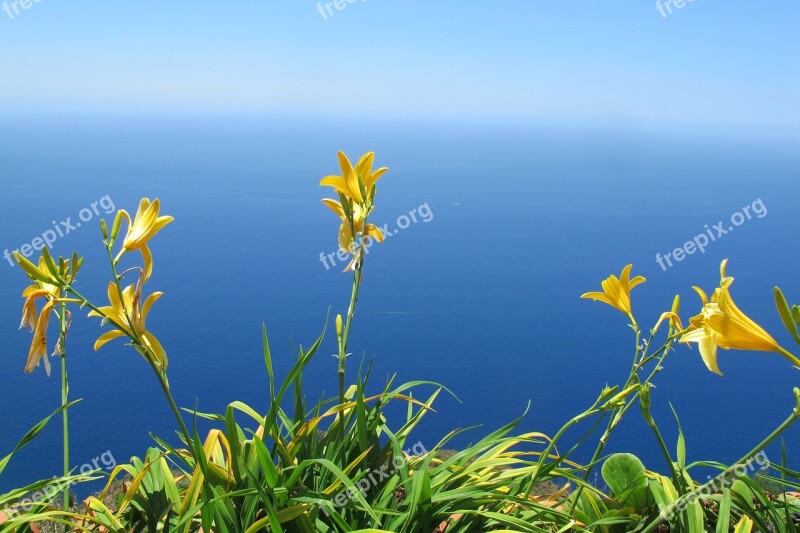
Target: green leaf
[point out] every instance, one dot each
(724, 518)
(680, 451)
(30, 435)
(624, 473)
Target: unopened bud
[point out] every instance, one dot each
(783, 310)
(117, 223)
(31, 270)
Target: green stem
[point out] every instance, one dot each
(749, 455)
(552, 444)
(617, 414)
(64, 401)
(676, 479)
(788, 355)
(162, 380)
(357, 278)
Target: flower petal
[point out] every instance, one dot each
(336, 207)
(107, 337)
(147, 258)
(374, 232)
(708, 351)
(599, 297)
(156, 349)
(636, 281)
(346, 239)
(373, 179)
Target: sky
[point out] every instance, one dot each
(716, 63)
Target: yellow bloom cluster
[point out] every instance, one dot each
(37, 322)
(720, 323)
(356, 190)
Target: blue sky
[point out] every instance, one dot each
(730, 62)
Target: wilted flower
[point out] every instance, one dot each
(38, 350)
(35, 321)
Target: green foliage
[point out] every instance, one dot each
(350, 463)
(624, 473)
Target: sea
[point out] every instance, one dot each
(495, 228)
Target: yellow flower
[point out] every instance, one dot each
(617, 291)
(348, 232)
(130, 316)
(143, 227)
(31, 294)
(38, 322)
(38, 350)
(721, 324)
(349, 183)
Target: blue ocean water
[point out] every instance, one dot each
(482, 297)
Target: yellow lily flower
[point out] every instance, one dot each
(617, 291)
(31, 294)
(130, 317)
(348, 183)
(38, 350)
(38, 322)
(348, 232)
(143, 228)
(721, 324)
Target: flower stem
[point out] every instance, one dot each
(788, 355)
(676, 479)
(640, 359)
(357, 278)
(162, 380)
(748, 456)
(62, 343)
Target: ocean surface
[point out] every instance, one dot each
(481, 293)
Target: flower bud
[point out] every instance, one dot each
(31, 270)
(339, 326)
(620, 399)
(608, 392)
(115, 227)
(783, 310)
(797, 401)
(49, 262)
(645, 402)
(676, 306)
